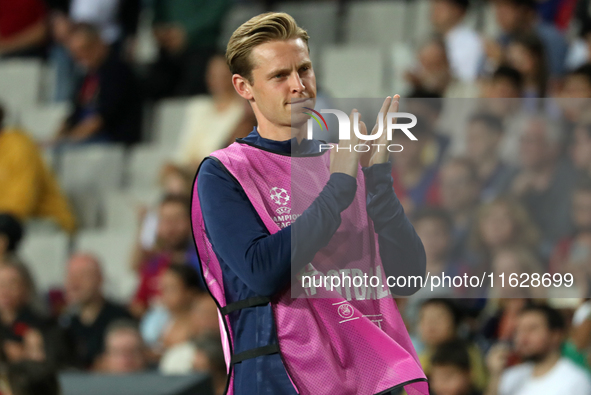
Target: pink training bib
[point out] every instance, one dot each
(346, 340)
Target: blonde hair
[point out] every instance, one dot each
(258, 30)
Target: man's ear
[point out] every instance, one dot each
(242, 86)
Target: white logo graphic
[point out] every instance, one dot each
(279, 196)
(346, 311)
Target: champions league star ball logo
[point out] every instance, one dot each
(279, 196)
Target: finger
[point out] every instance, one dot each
(382, 112)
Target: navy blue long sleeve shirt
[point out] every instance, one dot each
(256, 263)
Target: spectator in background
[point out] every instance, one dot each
(506, 83)
(90, 313)
(572, 253)
(209, 358)
(576, 88)
(203, 322)
(432, 73)
(463, 45)
(435, 227)
(415, 182)
(526, 54)
(451, 370)
(107, 105)
(581, 333)
(124, 349)
(540, 333)
(173, 246)
(544, 182)
(516, 260)
(460, 190)
(516, 17)
(116, 20)
(483, 138)
(17, 315)
(23, 28)
(500, 223)
(32, 378)
(215, 121)
(180, 285)
(29, 189)
(187, 32)
(439, 320)
(11, 233)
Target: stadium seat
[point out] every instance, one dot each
(86, 174)
(121, 208)
(114, 249)
(169, 118)
(46, 254)
(353, 71)
(320, 19)
(238, 14)
(42, 122)
(20, 84)
(376, 22)
(145, 163)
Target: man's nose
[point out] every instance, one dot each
(296, 84)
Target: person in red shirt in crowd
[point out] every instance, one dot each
(23, 28)
(173, 246)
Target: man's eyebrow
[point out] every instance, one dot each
(288, 70)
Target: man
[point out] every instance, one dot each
(245, 245)
(543, 182)
(463, 45)
(451, 370)
(516, 17)
(174, 245)
(90, 313)
(484, 134)
(124, 349)
(186, 32)
(28, 189)
(107, 105)
(538, 338)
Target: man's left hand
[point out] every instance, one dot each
(378, 152)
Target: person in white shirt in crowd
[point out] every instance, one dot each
(213, 122)
(538, 339)
(464, 47)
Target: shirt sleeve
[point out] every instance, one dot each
(401, 249)
(263, 261)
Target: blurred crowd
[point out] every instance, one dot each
(498, 184)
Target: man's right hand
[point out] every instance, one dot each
(344, 158)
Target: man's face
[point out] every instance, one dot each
(174, 226)
(444, 14)
(535, 149)
(83, 281)
(84, 50)
(13, 292)
(124, 352)
(449, 380)
(481, 141)
(533, 339)
(282, 72)
(435, 237)
(581, 210)
(458, 190)
(508, 16)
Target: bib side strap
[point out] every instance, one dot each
(242, 304)
(255, 352)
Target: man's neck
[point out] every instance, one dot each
(545, 365)
(90, 311)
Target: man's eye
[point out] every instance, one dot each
(279, 75)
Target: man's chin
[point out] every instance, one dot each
(534, 357)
